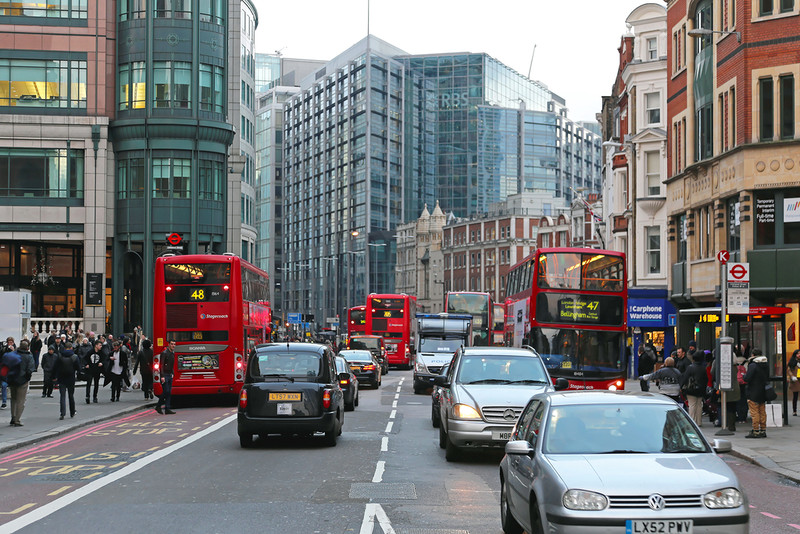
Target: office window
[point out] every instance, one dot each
(653, 252)
(787, 5)
(653, 104)
(42, 173)
(787, 106)
(62, 9)
(172, 84)
(41, 83)
(652, 48)
(766, 109)
(130, 178)
(212, 11)
(211, 88)
(653, 169)
(132, 86)
(172, 177)
(765, 7)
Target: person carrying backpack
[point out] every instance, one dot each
(19, 366)
(67, 365)
(693, 386)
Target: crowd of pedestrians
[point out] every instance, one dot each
(66, 357)
(689, 377)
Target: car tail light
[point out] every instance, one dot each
(344, 382)
(617, 385)
(243, 399)
(238, 367)
(370, 367)
(326, 399)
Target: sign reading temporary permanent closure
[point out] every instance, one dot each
(94, 289)
(738, 280)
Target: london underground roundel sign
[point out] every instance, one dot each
(174, 238)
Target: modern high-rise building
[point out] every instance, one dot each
(376, 134)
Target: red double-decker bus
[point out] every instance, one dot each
(480, 306)
(570, 305)
(393, 317)
(356, 321)
(216, 308)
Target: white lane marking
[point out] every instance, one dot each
(91, 487)
(402, 380)
(384, 444)
(374, 513)
(394, 404)
(389, 426)
(398, 389)
(379, 468)
(393, 414)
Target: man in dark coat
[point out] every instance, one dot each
(48, 361)
(167, 359)
(756, 378)
(66, 367)
(647, 362)
(94, 366)
(682, 363)
(36, 348)
(144, 361)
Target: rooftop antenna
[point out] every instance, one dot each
(530, 67)
(367, 18)
(279, 52)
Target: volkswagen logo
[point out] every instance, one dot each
(509, 415)
(656, 502)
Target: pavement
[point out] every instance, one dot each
(778, 452)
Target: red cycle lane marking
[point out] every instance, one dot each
(79, 434)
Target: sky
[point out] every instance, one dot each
(575, 41)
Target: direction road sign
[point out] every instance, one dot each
(723, 256)
(294, 318)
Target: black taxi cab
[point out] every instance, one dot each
(290, 389)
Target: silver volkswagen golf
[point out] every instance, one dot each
(616, 462)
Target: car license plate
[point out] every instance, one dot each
(660, 526)
(355, 368)
(284, 396)
(501, 435)
(285, 409)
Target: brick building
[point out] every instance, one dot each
(733, 152)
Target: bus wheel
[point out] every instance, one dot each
(246, 440)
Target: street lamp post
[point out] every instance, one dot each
(703, 32)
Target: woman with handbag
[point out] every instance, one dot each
(794, 381)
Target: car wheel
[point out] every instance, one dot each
(507, 521)
(246, 440)
(355, 403)
(417, 389)
(434, 417)
(536, 517)
(332, 434)
(442, 436)
(451, 452)
(350, 406)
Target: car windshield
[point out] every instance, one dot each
(289, 364)
(621, 429)
(507, 369)
(440, 345)
(356, 355)
(364, 343)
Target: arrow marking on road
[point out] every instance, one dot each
(372, 514)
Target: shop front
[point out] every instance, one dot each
(651, 321)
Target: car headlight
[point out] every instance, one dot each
(465, 411)
(419, 366)
(584, 500)
(724, 498)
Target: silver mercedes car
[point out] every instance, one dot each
(483, 394)
(616, 462)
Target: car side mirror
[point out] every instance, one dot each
(722, 445)
(441, 380)
(561, 384)
(520, 447)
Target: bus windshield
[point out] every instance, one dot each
(566, 350)
(197, 273)
(574, 271)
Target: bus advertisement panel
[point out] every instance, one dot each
(217, 309)
(570, 305)
(393, 317)
(499, 323)
(477, 304)
(356, 321)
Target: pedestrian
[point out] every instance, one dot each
(48, 361)
(756, 379)
(19, 380)
(117, 369)
(793, 369)
(693, 386)
(51, 339)
(67, 366)
(36, 348)
(682, 363)
(647, 362)
(94, 365)
(167, 359)
(668, 380)
(144, 361)
(8, 346)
